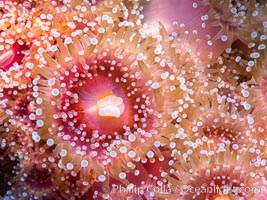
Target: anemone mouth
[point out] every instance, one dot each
(106, 107)
(38, 174)
(227, 180)
(73, 182)
(20, 141)
(21, 105)
(214, 174)
(221, 130)
(40, 179)
(218, 123)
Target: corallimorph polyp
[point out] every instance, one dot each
(110, 97)
(211, 174)
(103, 101)
(210, 119)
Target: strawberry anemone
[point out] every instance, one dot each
(105, 102)
(216, 174)
(212, 119)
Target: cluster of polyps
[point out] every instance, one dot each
(92, 103)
